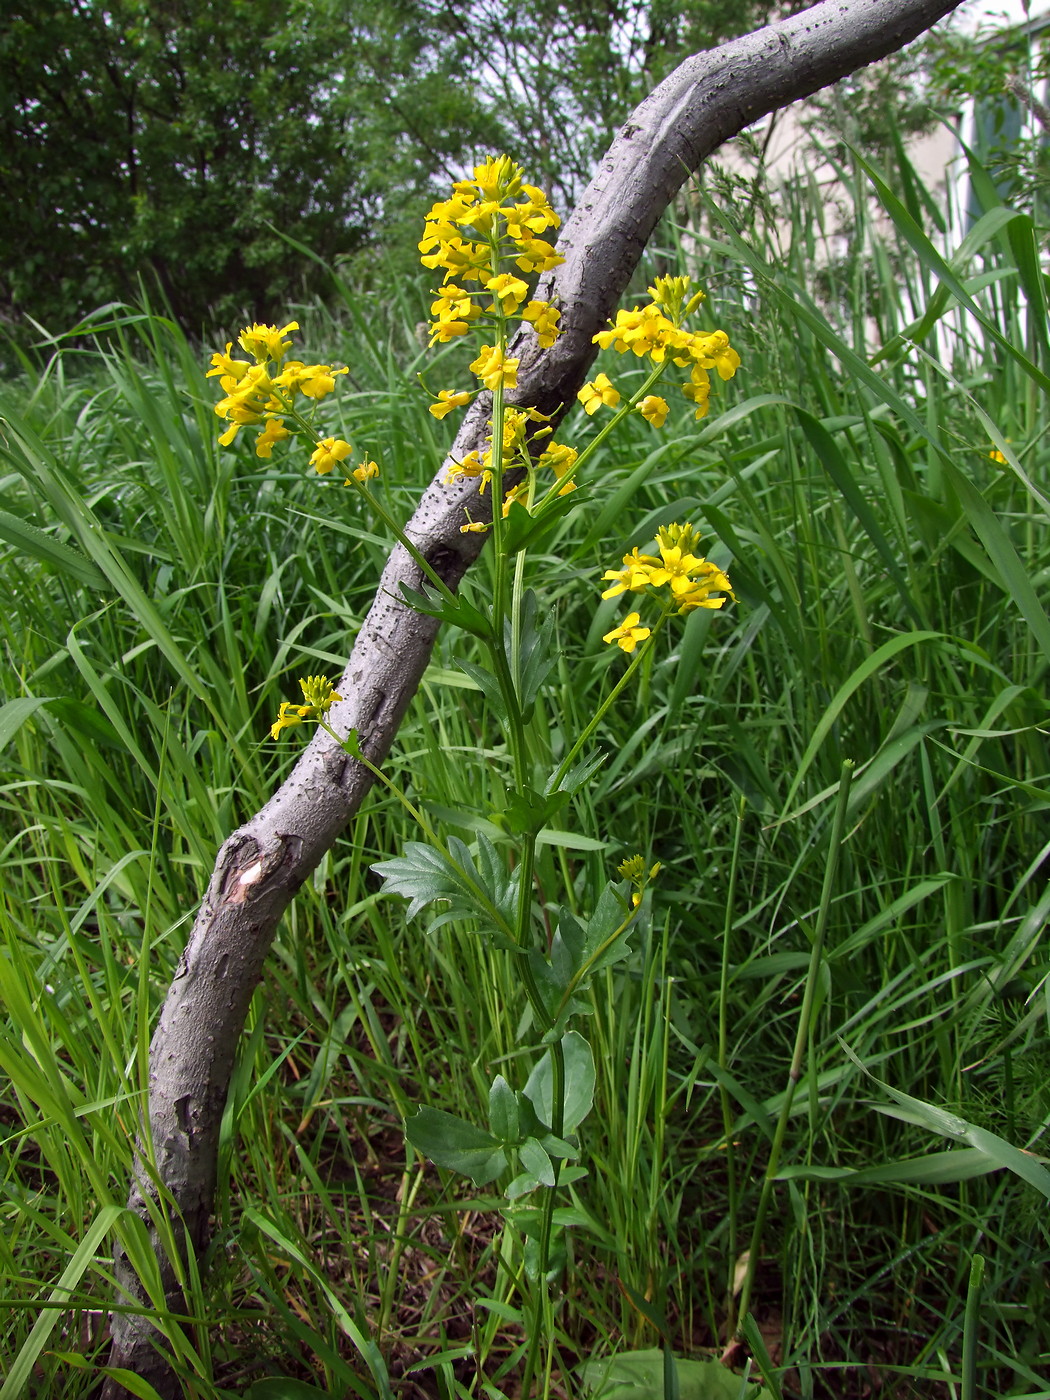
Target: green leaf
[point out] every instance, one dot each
(521, 1186)
(528, 811)
(133, 1384)
(503, 1111)
(87, 720)
(935, 1169)
(536, 1161)
(15, 713)
(283, 1388)
(27, 539)
(579, 1084)
(947, 1124)
(523, 529)
(20, 1367)
(487, 683)
(602, 948)
(535, 652)
(457, 611)
(570, 840)
(833, 462)
(639, 1375)
(456, 1144)
(578, 776)
(482, 890)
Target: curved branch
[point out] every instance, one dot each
(258, 870)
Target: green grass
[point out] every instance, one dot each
(161, 596)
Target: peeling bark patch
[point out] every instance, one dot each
(252, 875)
(240, 879)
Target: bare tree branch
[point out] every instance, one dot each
(258, 870)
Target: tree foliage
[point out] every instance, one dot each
(181, 138)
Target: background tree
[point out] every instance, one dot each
(176, 139)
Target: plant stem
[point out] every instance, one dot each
(723, 1064)
(375, 504)
(627, 407)
(971, 1322)
(606, 704)
(801, 1034)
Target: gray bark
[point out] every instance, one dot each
(709, 98)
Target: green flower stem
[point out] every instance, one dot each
(723, 1061)
(801, 1035)
(516, 596)
(509, 690)
(971, 1329)
(608, 702)
(542, 1321)
(351, 747)
(585, 969)
(496, 452)
(626, 408)
(380, 510)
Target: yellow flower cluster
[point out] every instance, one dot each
(633, 869)
(655, 331)
(260, 390)
(692, 580)
(319, 695)
(489, 227)
(263, 389)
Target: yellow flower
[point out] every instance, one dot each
(494, 368)
(628, 634)
(447, 400)
(222, 364)
(636, 574)
(519, 493)
(454, 302)
(677, 537)
(467, 260)
(544, 319)
(633, 869)
(690, 578)
(996, 455)
(509, 292)
(245, 402)
(698, 391)
(274, 431)
(560, 459)
(266, 342)
(497, 179)
(597, 392)
(365, 472)
(471, 466)
(653, 409)
(319, 695)
(715, 352)
(317, 380)
(537, 255)
(329, 451)
(287, 716)
(442, 331)
(473, 527)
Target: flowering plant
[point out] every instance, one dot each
(488, 240)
